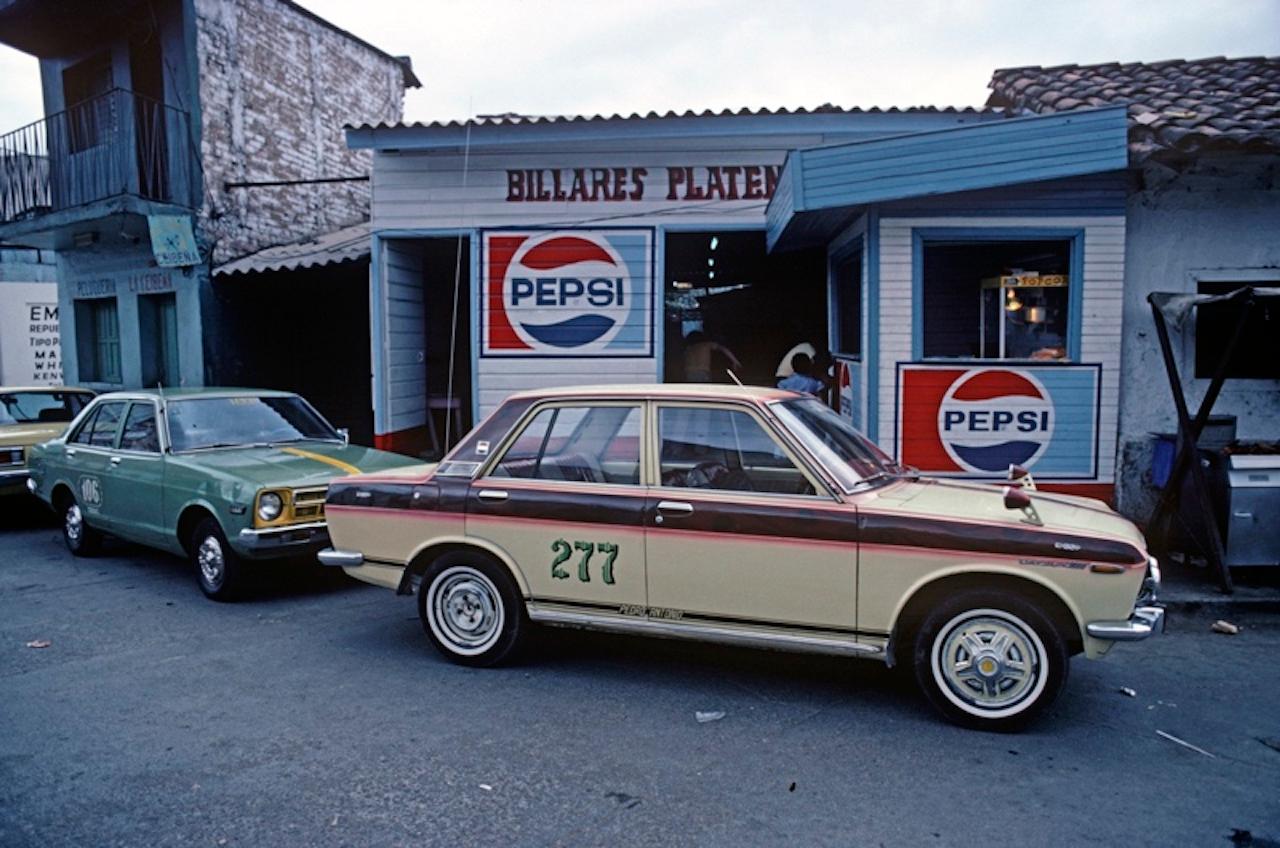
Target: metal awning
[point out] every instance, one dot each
(348, 244)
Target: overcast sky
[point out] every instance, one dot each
(478, 58)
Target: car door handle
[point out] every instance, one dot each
(115, 460)
(492, 495)
(71, 451)
(675, 508)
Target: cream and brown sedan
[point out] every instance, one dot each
(751, 516)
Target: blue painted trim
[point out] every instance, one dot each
(483, 135)
(834, 258)
(872, 354)
(1075, 290)
(474, 296)
(377, 336)
(659, 287)
(426, 232)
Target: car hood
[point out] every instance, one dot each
(1066, 514)
(300, 464)
(30, 434)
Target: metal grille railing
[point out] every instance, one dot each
(116, 143)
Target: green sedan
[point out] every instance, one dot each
(221, 476)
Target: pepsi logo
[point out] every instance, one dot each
(566, 292)
(992, 418)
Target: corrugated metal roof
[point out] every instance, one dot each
(343, 245)
(514, 118)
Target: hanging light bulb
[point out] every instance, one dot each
(1011, 303)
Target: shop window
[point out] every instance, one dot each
(90, 115)
(158, 335)
(1257, 353)
(579, 444)
(98, 340)
(846, 280)
(726, 286)
(996, 300)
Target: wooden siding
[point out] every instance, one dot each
(404, 388)
(1102, 299)
(961, 159)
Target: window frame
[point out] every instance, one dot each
(91, 421)
(822, 491)
(161, 446)
(485, 474)
(922, 236)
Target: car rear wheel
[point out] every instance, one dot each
(81, 539)
(471, 610)
(989, 660)
(219, 569)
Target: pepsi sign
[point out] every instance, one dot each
(977, 421)
(568, 293)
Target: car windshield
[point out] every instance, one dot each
(40, 407)
(846, 453)
(220, 422)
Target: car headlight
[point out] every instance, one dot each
(270, 505)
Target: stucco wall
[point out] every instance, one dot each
(276, 87)
(1221, 220)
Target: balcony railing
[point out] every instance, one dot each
(118, 143)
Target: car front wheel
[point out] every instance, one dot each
(471, 610)
(989, 660)
(81, 539)
(218, 568)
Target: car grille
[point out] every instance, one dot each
(308, 504)
(11, 456)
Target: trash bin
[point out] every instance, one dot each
(1252, 493)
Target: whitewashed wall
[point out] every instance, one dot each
(1102, 298)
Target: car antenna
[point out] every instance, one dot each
(734, 377)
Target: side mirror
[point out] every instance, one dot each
(345, 435)
(1016, 498)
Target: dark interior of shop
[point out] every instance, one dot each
(267, 339)
(1034, 318)
(757, 305)
(444, 261)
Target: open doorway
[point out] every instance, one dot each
(728, 287)
(446, 275)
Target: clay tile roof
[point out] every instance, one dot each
(1176, 107)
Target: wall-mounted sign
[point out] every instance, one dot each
(581, 293)
(975, 420)
(172, 241)
(30, 348)
(673, 182)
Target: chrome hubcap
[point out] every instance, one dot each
(211, 560)
(464, 610)
(73, 522)
(989, 663)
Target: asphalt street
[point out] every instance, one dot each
(316, 714)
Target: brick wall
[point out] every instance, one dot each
(276, 87)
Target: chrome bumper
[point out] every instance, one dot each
(340, 559)
(1145, 621)
(1147, 618)
(14, 475)
(289, 540)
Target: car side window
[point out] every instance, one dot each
(140, 429)
(82, 435)
(105, 424)
(579, 444)
(726, 449)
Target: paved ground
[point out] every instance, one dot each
(316, 714)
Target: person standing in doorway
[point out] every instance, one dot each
(698, 353)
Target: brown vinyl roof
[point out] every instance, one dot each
(1177, 108)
